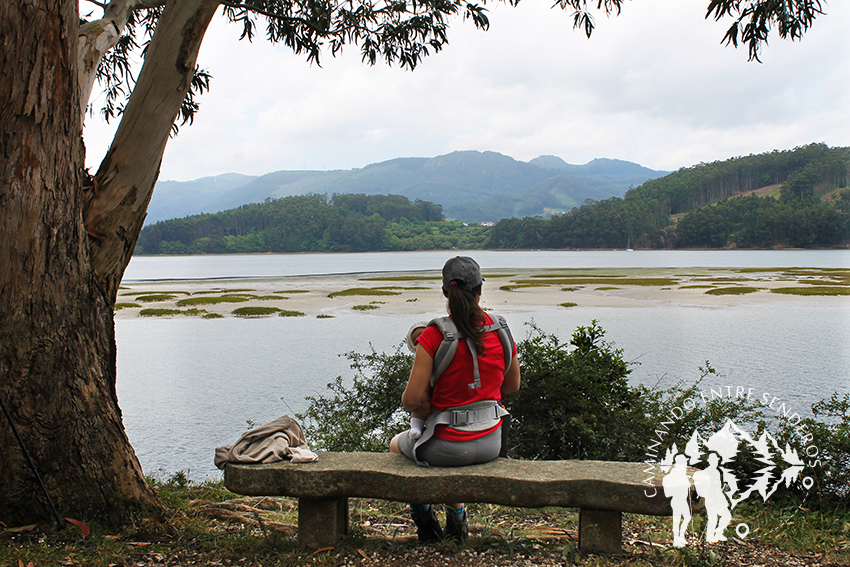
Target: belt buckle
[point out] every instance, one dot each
(460, 417)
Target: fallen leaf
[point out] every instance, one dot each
(363, 554)
(84, 529)
(329, 548)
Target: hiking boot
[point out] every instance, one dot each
(427, 526)
(457, 530)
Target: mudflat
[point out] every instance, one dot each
(419, 292)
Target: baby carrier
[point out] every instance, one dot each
(476, 416)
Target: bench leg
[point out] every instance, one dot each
(600, 531)
(321, 522)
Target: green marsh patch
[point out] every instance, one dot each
(362, 291)
(156, 312)
(291, 313)
(126, 306)
(255, 311)
(600, 280)
(813, 290)
(400, 278)
(211, 300)
(568, 304)
(365, 307)
(737, 290)
(155, 297)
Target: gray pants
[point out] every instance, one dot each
(441, 453)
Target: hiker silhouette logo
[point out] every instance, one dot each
(715, 481)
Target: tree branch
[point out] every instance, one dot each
(126, 177)
(99, 36)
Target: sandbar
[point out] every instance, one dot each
(503, 290)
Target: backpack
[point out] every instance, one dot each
(447, 349)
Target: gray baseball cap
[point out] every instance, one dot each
(463, 271)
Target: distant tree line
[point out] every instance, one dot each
(707, 200)
(709, 205)
(313, 223)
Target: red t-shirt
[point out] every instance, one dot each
(452, 389)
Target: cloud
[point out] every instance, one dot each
(653, 86)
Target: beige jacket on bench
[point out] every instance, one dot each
(281, 439)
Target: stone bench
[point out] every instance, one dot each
(601, 490)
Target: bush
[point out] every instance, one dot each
(571, 404)
(576, 403)
(366, 416)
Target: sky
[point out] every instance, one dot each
(654, 86)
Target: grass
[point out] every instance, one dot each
(700, 286)
(159, 312)
(361, 291)
(211, 300)
(255, 311)
(400, 278)
(204, 524)
(600, 280)
(737, 290)
(568, 304)
(211, 291)
(154, 297)
(813, 290)
(324, 316)
(365, 307)
(126, 306)
(290, 313)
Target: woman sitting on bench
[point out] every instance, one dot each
(464, 412)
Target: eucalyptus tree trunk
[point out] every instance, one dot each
(64, 245)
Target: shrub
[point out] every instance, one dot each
(365, 416)
(572, 404)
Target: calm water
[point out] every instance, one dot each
(189, 385)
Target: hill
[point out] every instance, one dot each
(710, 205)
(471, 186)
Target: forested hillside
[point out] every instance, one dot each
(795, 198)
(313, 223)
(709, 205)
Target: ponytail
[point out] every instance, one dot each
(467, 315)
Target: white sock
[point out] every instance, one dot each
(416, 426)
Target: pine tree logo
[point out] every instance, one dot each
(717, 483)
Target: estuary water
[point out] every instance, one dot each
(187, 385)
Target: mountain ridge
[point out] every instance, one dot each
(470, 185)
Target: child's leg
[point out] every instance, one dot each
(418, 415)
(417, 424)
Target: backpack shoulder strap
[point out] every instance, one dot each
(447, 349)
(500, 325)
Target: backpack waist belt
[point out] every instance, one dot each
(477, 416)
